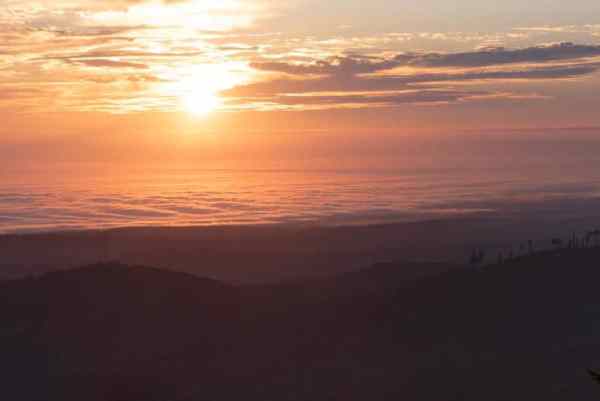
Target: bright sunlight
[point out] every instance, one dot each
(200, 103)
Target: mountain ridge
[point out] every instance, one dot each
(113, 332)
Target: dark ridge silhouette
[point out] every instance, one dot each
(521, 330)
(379, 279)
(268, 254)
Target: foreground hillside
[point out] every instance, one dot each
(523, 330)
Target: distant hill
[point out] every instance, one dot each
(271, 253)
(524, 330)
(378, 280)
(382, 277)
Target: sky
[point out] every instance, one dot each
(263, 83)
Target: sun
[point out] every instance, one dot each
(200, 103)
(198, 87)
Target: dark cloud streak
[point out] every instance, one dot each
(111, 64)
(396, 82)
(420, 96)
(354, 80)
(351, 65)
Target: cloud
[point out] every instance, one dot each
(396, 82)
(417, 96)
(370, 99)
(561, 28)
(135, 55)
(98, 54)
(427, 75)
(338, 65)
(111, 64)
(17, 92)
(501, 56)
(480, 58)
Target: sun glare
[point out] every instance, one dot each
(196, 88)
(200, 103)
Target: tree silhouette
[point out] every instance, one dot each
(592, 235)
(477, 257)
(473, 258)
(557, 243)
(594, 374)
(530, 246)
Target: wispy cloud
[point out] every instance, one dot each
(427, 74)
(371, 99)
(133, 55)
(393, 82)
(111, 63)
(480, 58)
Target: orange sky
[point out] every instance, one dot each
(140, 81)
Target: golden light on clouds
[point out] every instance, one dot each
(200, 56)
(208, 15)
